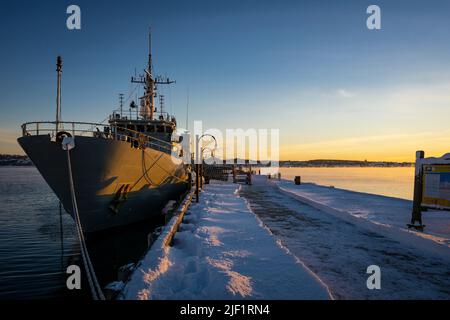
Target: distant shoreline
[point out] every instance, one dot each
(19, 160)
(8, 160)
(350, 166)
(324, 163)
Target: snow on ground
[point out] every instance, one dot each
(223, 251)
(339, 250)
(389, 214)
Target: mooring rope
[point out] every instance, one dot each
(169, 174)
(96, 290)
(61, 236)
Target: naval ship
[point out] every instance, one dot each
(124, 170)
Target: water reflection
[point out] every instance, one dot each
(33, 259)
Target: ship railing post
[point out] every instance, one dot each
(37, 128)
(201, 171)
(197, 169)
(197, 182)
(73, 129)
(418, 190)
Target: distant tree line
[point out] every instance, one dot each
(344, 163)
(14, 160)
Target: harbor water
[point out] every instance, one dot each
(37, 243)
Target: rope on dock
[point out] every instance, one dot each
(96, 290)
(61, 236)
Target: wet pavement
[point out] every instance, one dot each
(339, 252)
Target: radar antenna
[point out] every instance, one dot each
(148, 99)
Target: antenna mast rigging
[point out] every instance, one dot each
(148, 100)
(121, 103)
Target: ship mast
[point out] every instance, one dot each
(149, 82)
(148, 100)
(58, 92)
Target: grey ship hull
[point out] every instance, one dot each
(103, 170)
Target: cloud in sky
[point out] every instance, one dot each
(389, 147)
(380, 123)
(343, 93)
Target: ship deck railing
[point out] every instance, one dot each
(123, 115)
(97, 130)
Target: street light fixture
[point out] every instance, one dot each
(198, 169)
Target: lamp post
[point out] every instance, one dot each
(418, 192)
(203, 160)
(199, 169)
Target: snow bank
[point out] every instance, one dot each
(222, 251)
(384, 214)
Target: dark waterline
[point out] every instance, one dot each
(33, 260)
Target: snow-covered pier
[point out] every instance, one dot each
(278, 240)
(223, 251)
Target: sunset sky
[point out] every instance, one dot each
(309, 68)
